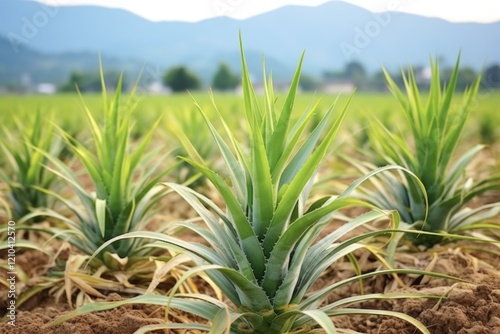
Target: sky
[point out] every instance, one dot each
(483, 11)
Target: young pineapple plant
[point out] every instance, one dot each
(189, 129)
(124, 181)
(435, 126)
(264, 250)
(488, 131)
(23, 173)
(116, 187)
(24, 169)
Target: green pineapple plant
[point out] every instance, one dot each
(116, 187)
(188, 128)
(24, 169)
(122, 194)
(263, 249)
(435, 126)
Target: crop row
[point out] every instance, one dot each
(265, 225)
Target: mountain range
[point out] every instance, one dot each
(51, 41)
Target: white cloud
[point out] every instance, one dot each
(196, 10)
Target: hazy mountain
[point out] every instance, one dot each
(54, 68)
(57, 67)
(331, 34)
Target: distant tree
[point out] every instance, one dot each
(224, 79)
(89, 82)
(308, 83)
(491, 77)
(378, 81)
(445, 75)
(353, 71)
(76, 78)
(466, 77)
(180, 79)
(15, 87)
(356, 72)
(398, 75)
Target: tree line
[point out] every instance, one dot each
(181, 78)
(178, 79)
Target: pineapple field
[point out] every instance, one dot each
(274, 212)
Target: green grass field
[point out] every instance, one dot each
(66, 109)
(266, 175)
